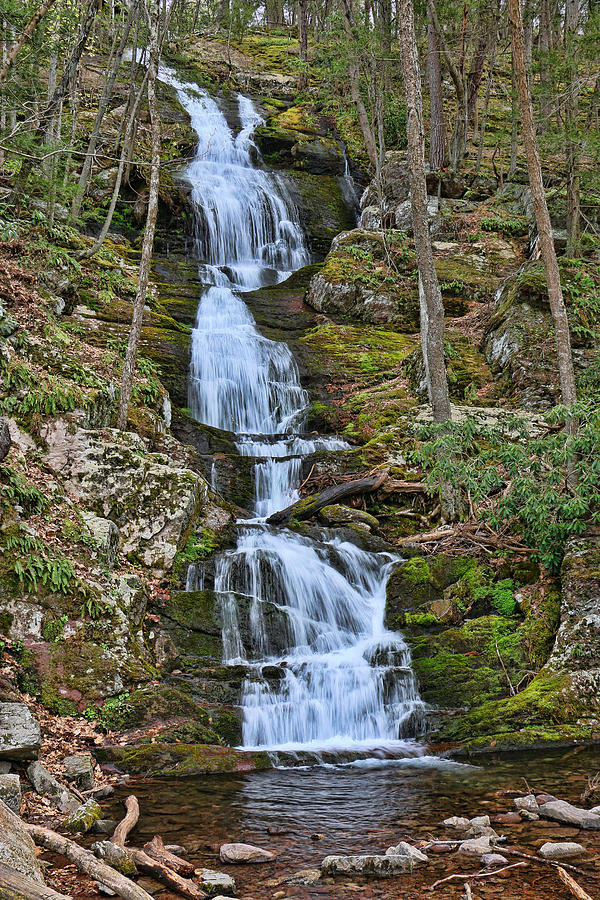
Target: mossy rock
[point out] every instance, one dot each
(325, 210)
(84, 818)
(418, 581)
(181, 759)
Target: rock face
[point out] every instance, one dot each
(244, 853)
(48, 786)
(17, 849)
(152, 501)
(79, 769)
(20, 736)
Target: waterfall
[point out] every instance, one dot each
(312, 611)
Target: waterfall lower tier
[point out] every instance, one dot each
(312, 611)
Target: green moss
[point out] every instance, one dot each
(181, 759)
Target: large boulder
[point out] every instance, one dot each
(17, 849)
(20, 735)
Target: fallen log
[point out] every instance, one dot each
(87, 863)
(572, 885)
(130, 820)
(310, 506)
(157, 850)
(166, 876)
(16, 886)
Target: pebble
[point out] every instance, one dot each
(477, 846)
(564, 850)
(528, 816)
(244, 853)
(493, 860)
(458, 822)
(315, 836)
(442, 848)
(508, 818)
(528, 803)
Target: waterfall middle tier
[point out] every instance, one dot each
(313, 610)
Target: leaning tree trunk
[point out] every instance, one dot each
(9, 62)
(544, 226)
(432, 309)
(148, 242)
(438, 145)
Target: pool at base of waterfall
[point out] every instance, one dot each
(303, 815)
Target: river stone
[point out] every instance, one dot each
(561, 811)
(304, 877)
(10, 792)
(529, 803)
(79, 769)
(381, 866)
(17, 849)
(244, 853)
(211, 881)
(117, 857)
(337, 514)
(104, 826)
(477, 846)
(595, 810)
(458, 822)
(404, 849)
(20, 735)
(561, 850)
(84, 818)
(493, 860)
(46, 784)
(480, 820)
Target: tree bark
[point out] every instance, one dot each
(16, 886)
(128, 822)
(156, 850)
(310, 506)
(460, 128)
(25, 35)
(160, 872)
(303, 38)
(438, 145)
(102, 107)
(571, 144)
(148, 242)
(555, 295)
(87, 863)
(432, 309)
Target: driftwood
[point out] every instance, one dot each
(156, 850)
(87, 863)
(569, 882)
(162, 873)
(15, 886)
(129, 822)
(310, 506)
(544, 862)
(465, 876)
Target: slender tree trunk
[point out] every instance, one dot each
(354, 76)
(102, 107)
(545, 45)
(148, 242)
(592, 118)
(571, 143)
(432, 309)
(24, 37)
(438, 145)
(555, 295)
(460, 129)
(488, 89)
(514, 125)
(475, 74)
(303, 37)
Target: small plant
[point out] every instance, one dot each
(112, 714)
(53, 629)
(512, 226)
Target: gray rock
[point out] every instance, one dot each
(47, 785)
(595, 810)
(20, 735)
(211, 882)
(493, 860)
(83, 818)
(17, 849)
(380, 866)
(404, 849)
(102, 889)
(529, 803)
(101, 793)
(5, 767)
(561, 850)
(10, 792)
(79, 769)
(105, 533)
(304, 877)
(5, 439)
(244, 853)
(566, 814)
(117, 857)
(458, 822)
(477, 846)
(528, 816)
(476, 831)
(104, 826)
(337, 514)
(480, 821)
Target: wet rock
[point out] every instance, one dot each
(337, 514)
(545, 798)
(116, 857)
(404, 849)
(20, 736)
(83, 818)
(561, 850)
(528, 803)
(458, 822)
(10, 792)
(216, 882)
(566, 814)
(476, 831)
(5, 439)
(509, 818)
(443, 847)
(101, 793)
(493, 860)
(104, 826)
(480, 821)
(17, 849)
(79, 769)
(380, 866)
(48, 786)
(476, 846)
(303, 877)
(244, 853)
(528, 816)
(595, 810)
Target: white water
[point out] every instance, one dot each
(311, 609)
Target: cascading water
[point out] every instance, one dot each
(309, 612)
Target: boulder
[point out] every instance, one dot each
(117, 857)
(244, 853)
(405, 849)
(5, 439)
(211, 882)
(566, 814)
(20, 736)
(46, 784)
(83, 818)
(336, 514)
(10, 792)
(493, 860)
(376, 865)
(79, 769)
(17, 849)
(477, 846)
(561, 850)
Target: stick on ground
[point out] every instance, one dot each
(569, 882)
(130, 820)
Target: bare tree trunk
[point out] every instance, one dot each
(555, 295)
(354, 75)
(102, 107)
(25, 35)
(438, 145)
(545, 45)
(488, 89)
(460, 128)
(148, 242)
(571, 144)
(432, 309)
(303, 37)
(475, 73)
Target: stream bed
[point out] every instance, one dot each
(304, 814)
